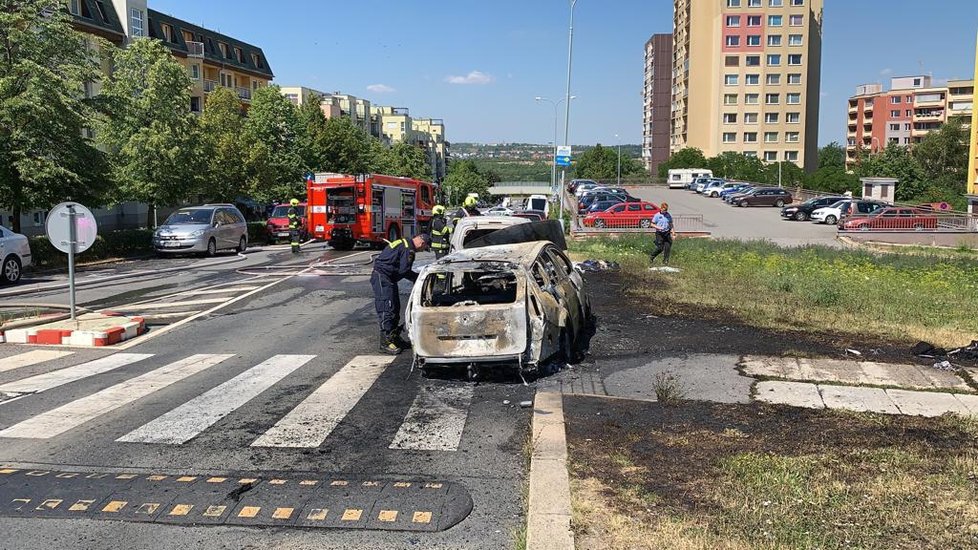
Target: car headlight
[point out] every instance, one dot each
(198, 233)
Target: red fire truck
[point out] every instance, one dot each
(369, 208)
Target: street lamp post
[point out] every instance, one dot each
(618, 181)
(567, 96)
(553, 159)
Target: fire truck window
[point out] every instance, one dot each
(425, 194)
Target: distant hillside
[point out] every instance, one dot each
(524, 151)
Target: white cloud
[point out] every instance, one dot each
(381, 88)
(474, 77)
(886, 71)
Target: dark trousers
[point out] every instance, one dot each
(294, 238)
(387, 300)
(663, 245)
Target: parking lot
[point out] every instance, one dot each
(730, 222)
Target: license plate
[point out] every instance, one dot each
(282, 234)
(171, 245)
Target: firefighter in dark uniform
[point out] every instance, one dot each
(295, 223)
(468, 209)
(392, 265)
(441, 231)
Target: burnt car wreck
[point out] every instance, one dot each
(521, 304)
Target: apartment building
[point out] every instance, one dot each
(745, 78)
(211, 59)
(657, 101)
(429, 133)
(912, 108)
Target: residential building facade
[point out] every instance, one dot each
(657, 101)
(300, 95)
(746, 77)
(903, 115)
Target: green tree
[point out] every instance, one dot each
(832, 155)
(736, 166)
(791, 175)
(895, 162)
(833, 179)
(463, 178)
(150, 134)
(408, 161)
(226, 147)
(690, 157)
(943, 160)
(44, 65)
(276, 157)
(347, 149)
(601, 163)
(312, 125)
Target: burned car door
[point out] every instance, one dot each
(545, 311)
(571, 285)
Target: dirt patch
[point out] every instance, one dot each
(700, 475)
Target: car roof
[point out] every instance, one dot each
(520, 253)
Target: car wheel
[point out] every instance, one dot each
(918, 227)
(801, 216)
(742, 204)
(831, 220)
(242, 244)
(599, 224)
(714, 195)
(11, 270)
(211, 247)
(864, 228)
(645, 224)
(779, 203)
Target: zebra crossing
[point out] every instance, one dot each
(435, 420)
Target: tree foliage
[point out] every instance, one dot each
(601, 163)
(690, 157)
(406, 160)
(464, 177)
(44, 63)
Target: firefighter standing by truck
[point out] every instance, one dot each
(295, 223)
(441, 231)
(468, 209)
(390, 266)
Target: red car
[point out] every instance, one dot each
(894, 217)
(626, 214)
(278, 222)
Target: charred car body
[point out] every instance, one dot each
(508, 299)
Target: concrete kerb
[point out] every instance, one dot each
(549, 515)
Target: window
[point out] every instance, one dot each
(255, 85)
(753, 20)
(772, 99)
(797, 2)
(729, 137)
(730, 80)
(167, 33)
(894, 114)
(754, 40)
(73, 7)
(906, 126)
(774, 20)
(732, 61)
(753, 3)
(750, 137)
(224, 49)
(796, 20)
(256, 59)
(239, 55)
(770, 156)
(733, 40)
(794, 99)
(733, 3)
(773, 80)
(895, 99)
(772, 118)
(194, 104)
(895, 127)
(729, 99)
(195, 71)
(791, 156)
(752, 61)
(794, 78)
(794, 59)
(792, 137)
(188, 36)
(733, 20)
(752, 79)
(793, 118)
(776, 3)
(774, 60)
(794, 40)
(774, 40)
(136, 21)
(751, 154)
(770, 137)
(752, 99)
(909, 112)
(750, 118)
(730, 118)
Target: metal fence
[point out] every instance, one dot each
(682, 223)
(917, 220)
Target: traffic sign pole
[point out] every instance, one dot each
(72, 245)
(72, 238)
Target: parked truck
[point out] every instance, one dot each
(345, 210)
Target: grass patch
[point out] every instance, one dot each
(760, 477)
(668, 390)
(896, 295)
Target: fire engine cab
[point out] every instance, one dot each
(369, 208)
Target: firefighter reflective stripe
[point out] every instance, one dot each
(440, 237)
(394, 244)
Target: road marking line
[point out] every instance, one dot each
(282, 513)
(97, 476)
(249, 511)
(80, 411)
(169, 315)
(277, 481)
(216, 479)
(339, 483)
(246, 480)
(156, 478)
(308, 482)
(23, 502)
(352, 514)
(193, 417)
(66, 475)
(402, 484)
(114, 506)
(47, 381)
(181, 509)
(317, 514)
(186, 479)
(311, 422)
(421, 517)
(8, 471)
(436, 419)
(387, 515)
(214, 511)
(50, 504)
(31, 358)
(126, 476)
(37, 473)
(221, 290)
(81, 506)
(147, 508)
(166, 305)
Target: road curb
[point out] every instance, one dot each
(127, 329)
(549, 516)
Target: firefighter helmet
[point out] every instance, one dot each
(294, 202)
(470, 202)
(438, 210)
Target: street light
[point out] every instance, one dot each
(619, 160)
(567, 98)
(553, 160)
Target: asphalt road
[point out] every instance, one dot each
(729, 222)
(282, 382)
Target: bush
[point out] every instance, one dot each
(126, 243)
(257, 232)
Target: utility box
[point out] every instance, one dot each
(879, 189)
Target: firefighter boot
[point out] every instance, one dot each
(388, 345)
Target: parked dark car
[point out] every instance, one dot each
(893, 218)
(764, 196)
(532, 215)
(587, 200)
(803, 211)
(729, 194)
(601, 206)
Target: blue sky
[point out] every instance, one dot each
(508, 51)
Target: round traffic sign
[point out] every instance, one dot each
(59, 229)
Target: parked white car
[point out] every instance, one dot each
(15, 255)
(474, 227)
(499, 211)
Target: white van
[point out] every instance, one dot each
(540, 203)
(679, 178)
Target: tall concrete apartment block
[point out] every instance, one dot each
(912, 108)
(746, 76)
(657, 96)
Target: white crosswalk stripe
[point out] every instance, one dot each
(435, 420)
(188, 420)
(78, 412)
(311, 422)
(43, 382)
(31, 358)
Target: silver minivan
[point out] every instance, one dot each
(202, 229)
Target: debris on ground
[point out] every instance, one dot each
(928, 350)
(596, 266)
(856, 352)
(944, 365)
(967, 353)
(665, 269)
(505, 401)
(526, 404)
